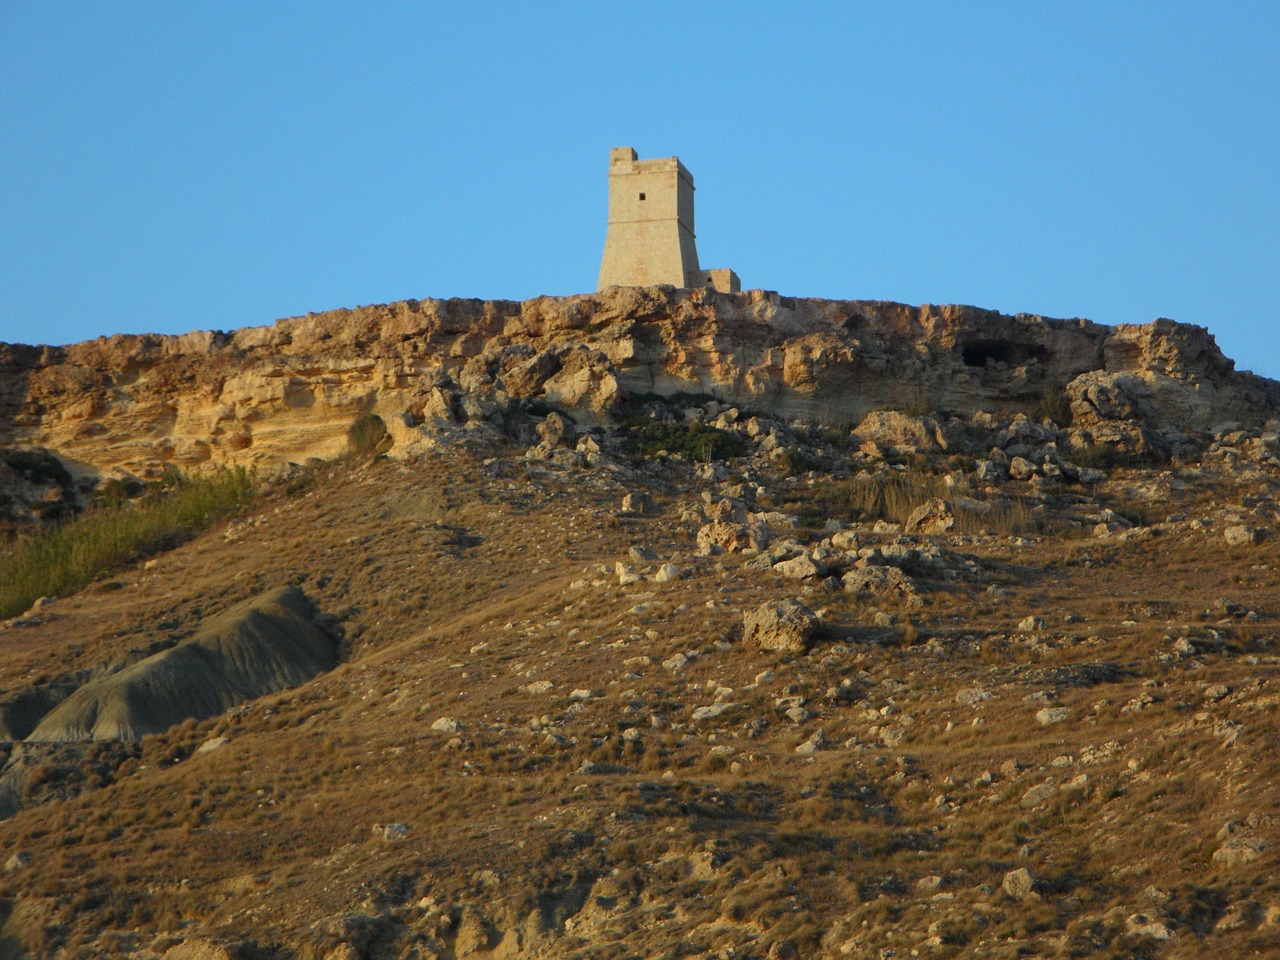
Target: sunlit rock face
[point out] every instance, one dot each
(267, 396)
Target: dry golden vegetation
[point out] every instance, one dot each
(515, 756)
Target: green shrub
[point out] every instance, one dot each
(117, 490)
(1105, 456)
(792, 461)
(1052, 405)
(694, 441)
(66, 558)
(37, 465)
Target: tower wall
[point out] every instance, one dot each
(650, 238)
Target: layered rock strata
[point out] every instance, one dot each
(267, 396)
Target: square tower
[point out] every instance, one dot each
(650, 238)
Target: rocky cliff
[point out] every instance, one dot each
(267, 396)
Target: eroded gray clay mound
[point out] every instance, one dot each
(260, 646)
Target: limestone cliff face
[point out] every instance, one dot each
(266, 396)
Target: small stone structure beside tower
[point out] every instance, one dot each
(650, 239)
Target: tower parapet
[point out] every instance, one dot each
(650, 238)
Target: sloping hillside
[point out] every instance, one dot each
(1025, 705)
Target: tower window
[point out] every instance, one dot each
(642, 196)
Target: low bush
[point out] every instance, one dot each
(693, 441)
(37, 465)
(1105, 456)
(1052, 405)
(64, 559)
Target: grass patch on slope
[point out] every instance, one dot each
(66, 558)
(895, 496)
(693, 441)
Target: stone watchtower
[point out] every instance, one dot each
(650, 238)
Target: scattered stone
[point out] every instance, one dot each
(888, 583)
(895, 432)
(802, 567)
(667, 573)
(1051, 715)
(391, 832)
(675, 662)
(1018, 884)
(211, 744)
(928, 886)
(780, 625)
(990, 472)
(19, 861)
(811, 746)
(200, 949)
(637, 503)
(1239, 535)
(556, 431)
(626, 576)
(1141, 925)
(1236, 917)
(537, 687)
(1239, 851)
(933, 516)
(446, 725)
(713, 711)
(1037, 795)
(1022, 469)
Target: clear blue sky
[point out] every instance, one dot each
(176, 166)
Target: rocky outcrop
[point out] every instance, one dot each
(266, 396)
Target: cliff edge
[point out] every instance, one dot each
(267, 396)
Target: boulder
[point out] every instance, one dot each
(901, 433)
(786, 625)
(1022, 469)
(667, 572)
(933, 516)
(727, 537)
(1018, 884)
(802, 567)
(1051, 715)
(637, 502)
(1239, 535)
(887, 583)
